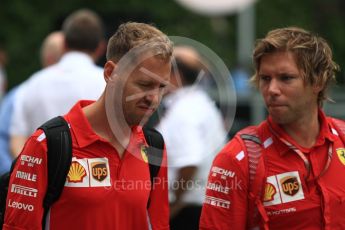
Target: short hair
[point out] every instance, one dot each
(132, 34)
(188, 63)
(312, 54)
(52, 48)
(83, 30)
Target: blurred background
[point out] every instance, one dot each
(229, 30)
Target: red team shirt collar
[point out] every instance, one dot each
(86, 135)
(325, 133)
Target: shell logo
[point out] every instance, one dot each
(270, 191)
(76, 173)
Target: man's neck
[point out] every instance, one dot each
(97, 117)
(305, 130)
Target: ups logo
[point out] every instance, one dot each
(99, 171)
(290, 185)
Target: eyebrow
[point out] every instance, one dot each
(280, 73)
(155, 77)
(139, 95)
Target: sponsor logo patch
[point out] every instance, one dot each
(41, 137)
(282, 211)
(341, 155)
(218, 188)
(30, 160)
(217, 202)
(270, 191)
(283, 188)
(99, 167)
(290, 185)
(143, 152)
(76, 173)
(240, 156)
(88, 172)
(26, 176)
(224, 173)
(25, 191)
(99, 171)
(19, 205)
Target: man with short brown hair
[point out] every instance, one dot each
(285, 172)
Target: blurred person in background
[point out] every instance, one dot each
(52, 48)
(3, 77)
(5, 159)
(51, 52)
(193, 131)
(53, 90)
(287, 172)
(240, 79)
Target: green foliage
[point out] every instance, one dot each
(24, 24)
(325, 18)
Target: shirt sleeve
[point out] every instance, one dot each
(225, 205)
(159, 204)
(19, 122)
(27, 187)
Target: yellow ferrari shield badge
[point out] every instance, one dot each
(341, 155)
(144, 153)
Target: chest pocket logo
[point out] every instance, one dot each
(89, 172)
(99, 171)
(341, 155)
(270, 191)
(290, 185)
(76, 173)
(143, 152)
(283, 188)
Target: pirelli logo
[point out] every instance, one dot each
(25, 191)
(217, 202)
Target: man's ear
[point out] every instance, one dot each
(317, 88)
(109, 68)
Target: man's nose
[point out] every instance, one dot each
(153, 96)
(274, 87)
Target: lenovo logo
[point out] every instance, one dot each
(19, 205)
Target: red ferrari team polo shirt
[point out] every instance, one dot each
(294, 197)
(101, 191)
